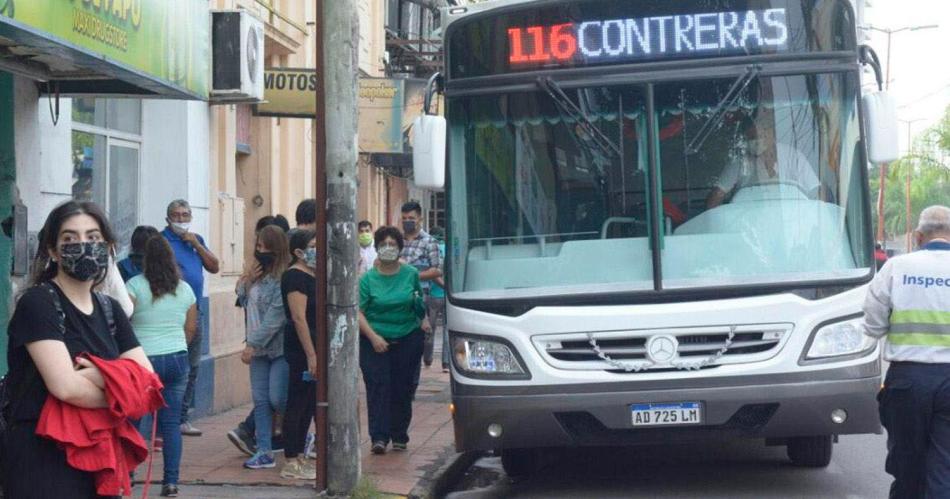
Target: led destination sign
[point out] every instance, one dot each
(648, 38)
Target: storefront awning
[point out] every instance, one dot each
(147, 48)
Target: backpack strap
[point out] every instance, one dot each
(57, 304)
(106, 304)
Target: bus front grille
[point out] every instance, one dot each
(708, 346)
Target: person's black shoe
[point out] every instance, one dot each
(400, 446)
(379, 447)
(243, 440)
(169, 490)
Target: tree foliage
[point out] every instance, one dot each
(928, 166)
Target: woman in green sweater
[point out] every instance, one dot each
(391, 312)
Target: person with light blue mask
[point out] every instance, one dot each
(299, 290)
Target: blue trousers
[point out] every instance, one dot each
(915, 410)
(269, 391)
(390, 386)
(173, 370)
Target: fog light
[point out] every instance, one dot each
(839, 416)
(494, 430)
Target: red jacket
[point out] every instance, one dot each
(103, 441)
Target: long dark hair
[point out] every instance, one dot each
(160, 268)
(274, 239)
(299, 240)
(44, 269)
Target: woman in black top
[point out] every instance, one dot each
(299, 289)
(73, 256)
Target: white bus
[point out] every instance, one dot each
(658, 223)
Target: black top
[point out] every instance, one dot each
(35, 319)
(301, 282)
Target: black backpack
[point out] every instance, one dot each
(9, 397)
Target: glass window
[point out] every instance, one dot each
(89, 166)
(550, 190)
(549, 181)
(124, 115)
(89, 111)
(106, 162)
(123, 192)
(772, 193)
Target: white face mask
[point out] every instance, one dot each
(181, 227)
(388, 254)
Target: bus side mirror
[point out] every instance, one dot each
(428, 151)
(880, 112)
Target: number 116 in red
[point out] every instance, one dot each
(556, 42)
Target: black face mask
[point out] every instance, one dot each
(265, 259)
(84, 261)
(409, 226)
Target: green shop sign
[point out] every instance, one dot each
(167, 40)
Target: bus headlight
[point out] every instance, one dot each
(840, 338)
(480, 356)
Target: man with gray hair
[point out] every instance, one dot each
(908, 304)
(193, 258)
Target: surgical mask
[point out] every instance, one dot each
(310, 257)
(84, 261)
(409, 226)
(181, 227)
(365, 239)
(265, 259)
(388, 254)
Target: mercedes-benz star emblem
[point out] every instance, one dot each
(661, 349)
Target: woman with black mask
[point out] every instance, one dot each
(259, 292)
(55, 320)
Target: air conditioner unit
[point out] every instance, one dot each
(237, 47)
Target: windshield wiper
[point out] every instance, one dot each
(727, 101)
(567, 106)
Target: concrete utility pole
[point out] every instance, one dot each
(341, 36)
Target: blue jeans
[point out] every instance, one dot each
(173, 370)
(390, 386)
(269, 391)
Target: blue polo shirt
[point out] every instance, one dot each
(189, 261)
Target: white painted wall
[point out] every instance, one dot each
(175, 160)
(43, 163)
(174, 163)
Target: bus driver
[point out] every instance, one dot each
(767, 162)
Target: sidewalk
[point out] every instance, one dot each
(212, 460)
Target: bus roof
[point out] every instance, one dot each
(467, 10)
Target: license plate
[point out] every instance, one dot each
(672, 413)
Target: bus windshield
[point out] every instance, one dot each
(550, 190)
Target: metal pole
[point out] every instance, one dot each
(320, 193)
(908, 168)
(340, 54)
(880, 191)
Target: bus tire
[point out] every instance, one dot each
(519, 463)
(810, 452)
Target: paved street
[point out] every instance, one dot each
(735, 470)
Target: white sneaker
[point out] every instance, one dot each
(310, 447)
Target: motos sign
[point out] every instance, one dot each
(289, 93)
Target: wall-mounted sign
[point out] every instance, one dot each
(167, 40)
(387, 108)
(618, 40)
(289, 93)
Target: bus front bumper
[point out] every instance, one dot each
(773, 410)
